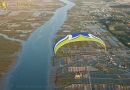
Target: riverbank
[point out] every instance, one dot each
(19, 25)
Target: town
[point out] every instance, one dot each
(85, 65)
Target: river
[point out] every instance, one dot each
(32, 68)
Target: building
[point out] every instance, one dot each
(78, 75)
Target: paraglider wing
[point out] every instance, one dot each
(77, 37)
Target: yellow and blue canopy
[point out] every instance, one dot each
(75, 37)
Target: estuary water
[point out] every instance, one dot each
(32, 68)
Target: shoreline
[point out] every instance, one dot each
(11, 68)
(52, 70)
